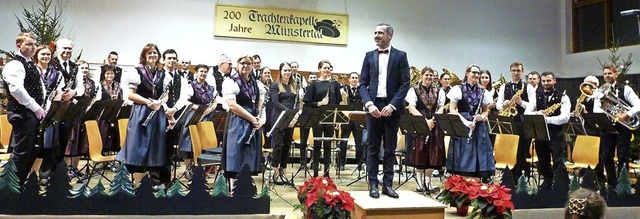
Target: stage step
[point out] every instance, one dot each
(410, 205)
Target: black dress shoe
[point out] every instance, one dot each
(388, 191)
(373, 192)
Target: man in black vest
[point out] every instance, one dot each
(184, 70)
(219, 73)
(24, 109)
(112, 60)
(176, 100)
(547, 99)
(609, 142)
(353, 98)
(506, 96)
(73, 87)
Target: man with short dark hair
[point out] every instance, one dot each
(555, 106)
(184, 70)
(353, 98)
(384, 84)
(534, 79)
(112, 60)
(25, 107)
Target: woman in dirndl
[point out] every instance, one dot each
(471, 156)
(145, 149)
(425, 153)
(245, 96)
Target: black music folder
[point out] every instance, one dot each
(359, 117)
(75, 111)
(452, 125)
(54, 114)
(598, 123)
(283, 121)
(309, 118)
(410, 124)
(535, 127)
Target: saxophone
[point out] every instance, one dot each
(551, 109)
(509, 110)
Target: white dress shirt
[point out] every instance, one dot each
(565, 111)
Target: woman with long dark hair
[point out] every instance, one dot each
(324, 91)
(283, 94)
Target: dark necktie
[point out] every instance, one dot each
(65, 67)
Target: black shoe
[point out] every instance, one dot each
(388, 190)
(373, 192)
(419, 189)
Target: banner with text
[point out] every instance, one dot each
(280, 24)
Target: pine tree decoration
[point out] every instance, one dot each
(522, 186)
(624, 183)
(176, 189)
(98, 190)
(220, 188)
(534, 190)
(160, 194)
(8, 179)
(121, 183)
(264, 193)
(574, 184)
(245, 186)
(81, 192)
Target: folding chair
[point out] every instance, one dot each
(5, 133)
(95, 150)
(122, 130)
(204, 160)
(585, 153)
(505, 151)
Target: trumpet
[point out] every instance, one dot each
(611, 104)
(509, 110)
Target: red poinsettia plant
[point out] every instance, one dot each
(320, 198)
(491, 201)
(457, 191)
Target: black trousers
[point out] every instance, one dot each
(322, 131)
(23, 141)
(304, 137)
(548, 150)
(379, 128)
(609, 142)
(523, 150)
(281, 143)
(346, 130)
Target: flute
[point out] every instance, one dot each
(477, 112)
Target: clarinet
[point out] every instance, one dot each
(162, 96)
(262, 109)
(477, 111)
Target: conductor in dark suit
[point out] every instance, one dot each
(384, 84)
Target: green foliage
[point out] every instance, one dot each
(574, 184)
(614, 58)
(8, 178)
(176, 189)
(160, 194)
(264, 193)
(220, 187)
(624, 183)
(523, 185)
(81, 192)
(44, 22)
(98, 190)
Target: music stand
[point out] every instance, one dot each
(505, 125)
(598, 123)
(535, 127)
(125, 112)
(359, 117)
(309, 118)
(74, 114)
(452, 125)
(100, 110)
(413, 125)
(54, 114)
(283, 121)
(195, 118)
(333, 115)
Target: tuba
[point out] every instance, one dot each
(611, 104)
(454, 78)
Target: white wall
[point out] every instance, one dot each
(451, 34)
(586, 63)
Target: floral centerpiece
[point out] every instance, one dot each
(491, 201)
(320, 198)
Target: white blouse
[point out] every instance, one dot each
(455, 95)
(412, 98)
